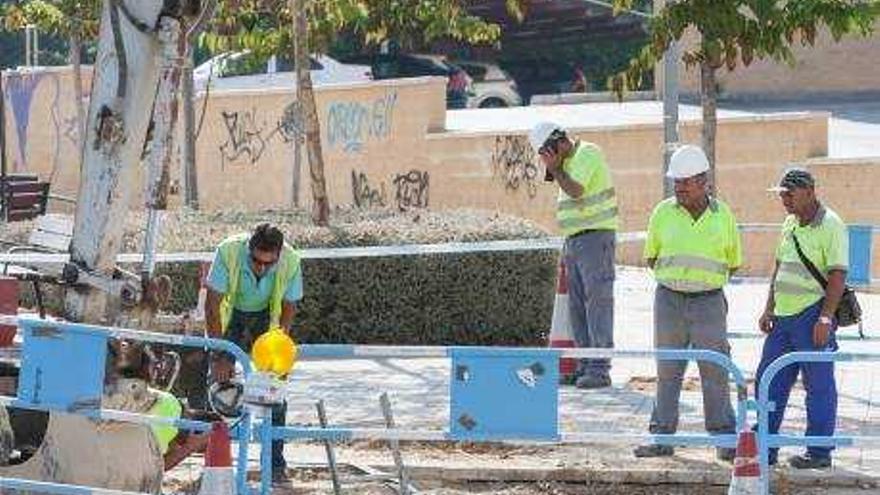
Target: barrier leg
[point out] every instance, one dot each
(244, 441)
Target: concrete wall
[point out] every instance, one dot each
(41, 131)
(848, 66)
(850, 187)
(385, 145)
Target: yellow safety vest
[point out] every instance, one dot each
(693, 255)
(166, 406)
(825, 242)
(597, 208)
(288, 267)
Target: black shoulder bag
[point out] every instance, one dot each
(848, 310)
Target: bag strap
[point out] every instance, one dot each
(809, 264)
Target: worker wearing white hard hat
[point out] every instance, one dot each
(587, 216)
(693, 245)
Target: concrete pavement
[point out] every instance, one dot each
(419, 392)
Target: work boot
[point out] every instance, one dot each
(808, 461)
(654, 450)
(279, 475)
(725, 454)
(593, 381)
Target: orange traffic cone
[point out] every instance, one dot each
(217, 477)
(746, 469)
(560, 327)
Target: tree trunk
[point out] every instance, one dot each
(709, 101)
(306, 97)
(76, 61)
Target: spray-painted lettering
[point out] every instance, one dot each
(350, 124)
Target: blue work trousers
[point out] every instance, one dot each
(791, 334)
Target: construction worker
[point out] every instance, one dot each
(799, 314)
(253, 285)
(587, 216)
(693, 246)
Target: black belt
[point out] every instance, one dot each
(705, 293)
(587, 231)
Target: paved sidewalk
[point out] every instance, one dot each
(418, 389)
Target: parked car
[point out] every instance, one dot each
(242, 70)
(458, 85)
(492, 87)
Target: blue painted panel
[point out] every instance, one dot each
(504, 394)
(860, 247)
(61, 369)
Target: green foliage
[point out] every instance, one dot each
(265, 26)
(61, 17)
(739, 31)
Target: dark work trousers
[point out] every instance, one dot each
(243, 330)
(589, 268)
(791, 334)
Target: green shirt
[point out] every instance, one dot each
(693, 255)
(597, 208)
(824, 242)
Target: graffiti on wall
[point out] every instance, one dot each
(411, 190)
(514, 162)
(247, 137)
(350, 124)
(19, 89)
(364, 195)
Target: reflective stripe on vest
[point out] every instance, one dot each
(596, 209)
(591, 200)
(693, 262)
(287, 268)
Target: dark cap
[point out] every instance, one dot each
(794, 178)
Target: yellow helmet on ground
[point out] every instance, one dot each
(275, 352)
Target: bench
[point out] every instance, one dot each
(23, 196)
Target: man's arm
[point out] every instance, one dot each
(553, 162)
(569, 185)
(833, 293)
(288, 311)
(212, 314)
(765, 322)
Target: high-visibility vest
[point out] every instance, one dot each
(825, 242)
(693, 255)
(597, 207)
(166, 406)
(287, 268)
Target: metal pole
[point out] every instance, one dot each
(27, 46)
(670, 105)
(395, 445)
(328, 446)
(3, 169)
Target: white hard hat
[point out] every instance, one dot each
(687, 161)
(539, 134)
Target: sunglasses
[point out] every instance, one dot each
(260, 263)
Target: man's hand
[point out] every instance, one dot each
(821, 331)
(551, 161)
(222, 370)
(765, 322)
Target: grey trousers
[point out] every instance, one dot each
(687, 321)
(589, 266)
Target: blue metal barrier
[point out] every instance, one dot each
(528, 380)
(861, 241)
(766, 441)
(48, 383)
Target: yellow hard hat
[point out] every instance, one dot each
(275, 352)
